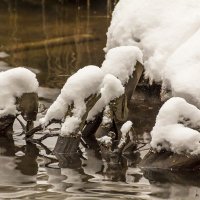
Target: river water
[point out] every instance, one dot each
(29, 171)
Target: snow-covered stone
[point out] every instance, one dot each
(176, 127)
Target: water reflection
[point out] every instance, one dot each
(174, 185)
(18, 168)
(92, 178)
(32, 23)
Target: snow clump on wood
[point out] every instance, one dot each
(78, 87)
(121, 61)
(14, 83)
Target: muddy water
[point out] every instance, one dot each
(31, 172)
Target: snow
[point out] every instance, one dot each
(85, 82)
(167, 32)
(106, 81)
(176, 127)
(13, 83)
(107, 119)
(125, 129)
(78, 87)
(111, 88)
(105, 140)
(120, 62)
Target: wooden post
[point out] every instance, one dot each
(133, 81)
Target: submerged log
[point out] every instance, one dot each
(50, 43)
(166, 160)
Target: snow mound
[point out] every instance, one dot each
(125, 129)
(13, 83)
(168, 34)
(78, 87)
(176, 127)
(120, 62)
(110, 88)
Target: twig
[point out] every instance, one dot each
(84, 143)
(40, 127)
(141, 147)
(34, 130)
(43, 137)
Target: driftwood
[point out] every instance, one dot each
(27, 105)
(186, 178)
(166, 160)
(6, 124)
(120, 113)
(70, 144)
(133, 81)
(50, 43)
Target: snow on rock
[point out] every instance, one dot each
(175, 127)
(120, 62)
(13, 83)
(78, 87)
(167, 32)
(111, 88)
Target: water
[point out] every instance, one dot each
(29, 171)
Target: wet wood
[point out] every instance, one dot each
(27, 104)
(70, 144)
(133, 81)
(67, 145)
(6, 125)
(92, 126)
(52, 42)
(69, 161)
(178, 177)
(170, 161)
